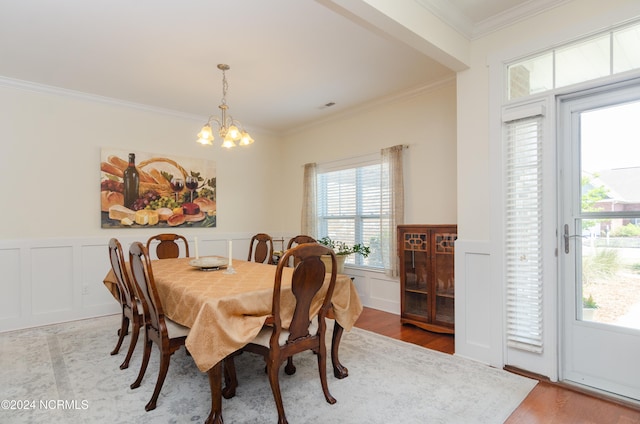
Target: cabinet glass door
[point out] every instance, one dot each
(414, 256)
(443, 255)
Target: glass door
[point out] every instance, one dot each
(599, 136)
(443, 268)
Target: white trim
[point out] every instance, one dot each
(516, 14)
(350, 162)
(390, 99)
(458, 20)
(509, 115)
(64, 92)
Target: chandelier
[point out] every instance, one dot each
(230, 130)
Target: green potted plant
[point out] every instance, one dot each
(589, 307)
(342, 250)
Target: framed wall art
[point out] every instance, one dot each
(140, 189)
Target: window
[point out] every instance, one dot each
(349, 206)
(584, 60)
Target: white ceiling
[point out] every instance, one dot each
(288, 58)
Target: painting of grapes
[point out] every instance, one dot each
(140, 189)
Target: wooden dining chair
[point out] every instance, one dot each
(131, 308)
(261, 249)
(167, 246)
(299, 239)
(158, 329)
(305, 332)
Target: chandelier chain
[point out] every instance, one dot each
(225, 87)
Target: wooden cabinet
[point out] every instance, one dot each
(426, 276)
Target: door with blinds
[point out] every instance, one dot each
(599, 139)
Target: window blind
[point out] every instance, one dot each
(349, 208)
(523, 233)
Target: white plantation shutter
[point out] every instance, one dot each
(523, 233)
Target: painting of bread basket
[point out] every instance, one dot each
(139, 190)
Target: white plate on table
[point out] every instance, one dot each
(208, 263)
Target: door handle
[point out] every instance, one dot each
(567, 237)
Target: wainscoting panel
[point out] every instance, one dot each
(376, 290)
(385, 294)
(10, 265)
(52, 280)
(47, 281)
(478, 312)
(95, 265)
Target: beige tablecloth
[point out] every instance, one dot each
(226, 311)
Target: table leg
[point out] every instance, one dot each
(215, 384)
(339, 371)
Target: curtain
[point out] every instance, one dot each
(309, 209)
(392, 204)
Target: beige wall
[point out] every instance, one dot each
(424, 121)
(52, 249)
(50, 163)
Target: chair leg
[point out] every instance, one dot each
(124, 326)
(290, 369)
(162, 374)
(132, 344)
(322, 368)
(145, 362)
(273, 369)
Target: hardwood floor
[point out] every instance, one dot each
(547, 403)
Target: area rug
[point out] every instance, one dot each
(64, 374)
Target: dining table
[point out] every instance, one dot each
(225, 311)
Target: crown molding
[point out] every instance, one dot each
(64, 92)
(407, 94)
(458, 20)
(449, 14)
(514, 15)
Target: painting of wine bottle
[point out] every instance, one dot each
(141, 189)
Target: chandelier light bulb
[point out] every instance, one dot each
(234, 133)
(246, 139)
(227, 126)
(228, 142)
(205, 137)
